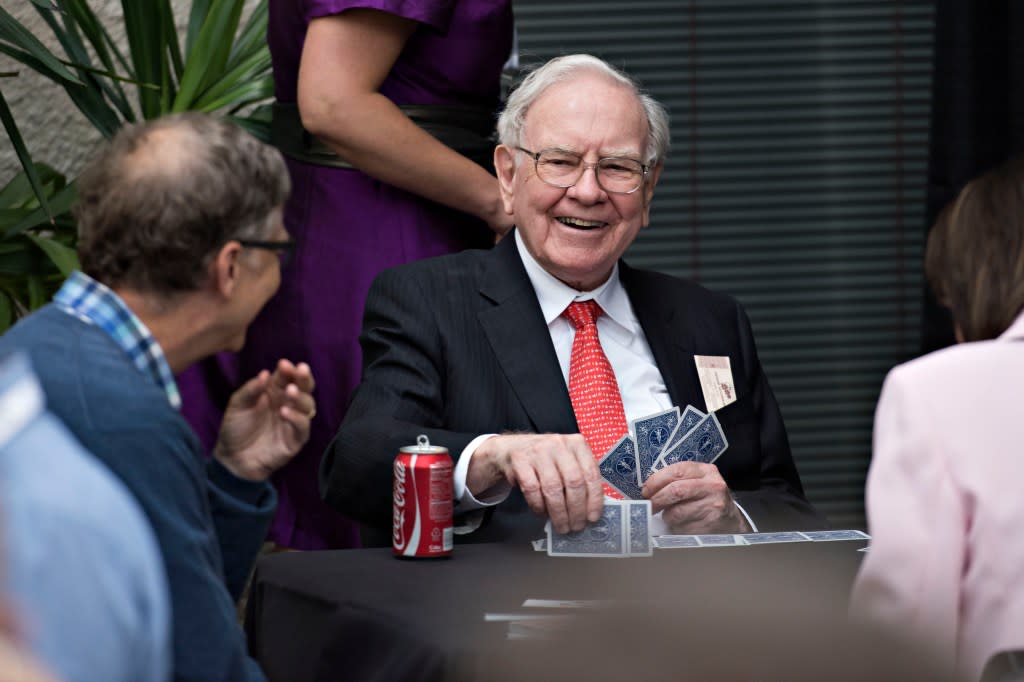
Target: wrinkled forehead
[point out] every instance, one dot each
(588, 111)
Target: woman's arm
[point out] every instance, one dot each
(345, 59)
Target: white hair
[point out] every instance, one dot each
(560, 69)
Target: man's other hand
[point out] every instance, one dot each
(694, 498)
(556, 473)
(267, 421)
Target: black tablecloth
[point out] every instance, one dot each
(365, 615)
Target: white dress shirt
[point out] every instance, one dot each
(622, 339)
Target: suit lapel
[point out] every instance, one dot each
(670, 337)
(514, 326)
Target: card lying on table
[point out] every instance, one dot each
(774, 538)
(834, 535)
(679, 541)
(682, 541)
(623, 530)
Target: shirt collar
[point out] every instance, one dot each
(94, 303)
(555, 296)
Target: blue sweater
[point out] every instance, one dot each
(208, 523)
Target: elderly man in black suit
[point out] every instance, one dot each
(477, 349)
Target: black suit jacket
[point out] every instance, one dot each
(456, 346)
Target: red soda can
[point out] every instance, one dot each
(422, 501)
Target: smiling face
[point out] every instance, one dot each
(577, 234)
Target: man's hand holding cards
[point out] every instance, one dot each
(669, 459)
(659, 441)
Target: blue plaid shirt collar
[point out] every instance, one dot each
(94, 303)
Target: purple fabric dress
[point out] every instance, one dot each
(349, 227)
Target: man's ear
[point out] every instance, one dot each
(648, 190)
(505, 166)
(224, 269)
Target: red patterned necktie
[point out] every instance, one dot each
(593, 390)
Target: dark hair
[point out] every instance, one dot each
(974, 260)
(161, 197)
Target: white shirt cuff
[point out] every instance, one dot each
(659, 527)
(753, 526)
(464, 500)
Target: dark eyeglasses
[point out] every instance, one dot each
(284, 248)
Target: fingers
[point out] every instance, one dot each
(580, 481)
(594, 492)
(693, 497)
(302, 377)
(299, 421)
(287, 373)
(249, 393)
(292, 386)
(298, 410)
(673, 472)
(550, 496)
(299, 401)
(558, 477)
(680, 482)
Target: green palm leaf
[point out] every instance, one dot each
(36, 292)
(248, 72)
(244, 94)
(19, 194)
(80, 21)
(146, 30)
(196, 17)
(253, 37)
(60, 255)
(21, 41)
(97, 33)
(209, 54)
(91, 104)
(58, 203)
(23, 156)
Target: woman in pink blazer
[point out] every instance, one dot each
(945, 493)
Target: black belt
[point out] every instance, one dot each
(467, 130)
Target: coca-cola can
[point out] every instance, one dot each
(422, 501)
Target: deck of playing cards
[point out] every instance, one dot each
(660, 440)
(623, 530)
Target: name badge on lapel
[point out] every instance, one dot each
(715, 374)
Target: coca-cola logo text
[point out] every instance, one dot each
(398, 518)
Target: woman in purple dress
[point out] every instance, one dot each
(373, 189)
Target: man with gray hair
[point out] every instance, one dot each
(180, 240)
(527, 361)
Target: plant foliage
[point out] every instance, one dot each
(219, 64)
(223, 65)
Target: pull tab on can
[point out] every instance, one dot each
(422, 501)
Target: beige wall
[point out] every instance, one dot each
(55, 131)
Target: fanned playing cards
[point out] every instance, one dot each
(658, 441)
